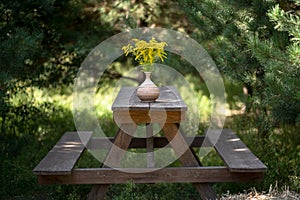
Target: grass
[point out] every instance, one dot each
(28, 137)
(274, 193)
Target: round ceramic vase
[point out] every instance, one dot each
(148, 91)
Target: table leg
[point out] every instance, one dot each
(121, 144)
(98, 192)
(150, 145)
(113, 158)
(186, 157)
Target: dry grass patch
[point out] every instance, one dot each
(273, 194)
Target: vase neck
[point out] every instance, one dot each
(147, 74)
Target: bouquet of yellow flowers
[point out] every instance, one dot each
(146, 52)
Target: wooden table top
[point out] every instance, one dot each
(169, 100)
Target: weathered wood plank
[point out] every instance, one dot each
(142, 175)
(236, 154)
(148, 116)
(158, 142)
(64, 155)
(169, 99)
(127, 99)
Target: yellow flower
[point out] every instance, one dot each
(146, 52)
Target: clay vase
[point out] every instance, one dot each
(148, 91)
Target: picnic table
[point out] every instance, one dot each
(240, 164)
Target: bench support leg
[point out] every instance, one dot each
(187, 157)
(113, 158)
(98, 192)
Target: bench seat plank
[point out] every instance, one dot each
(62, 158)
(142, 175)
(236, 154)
(159, 142)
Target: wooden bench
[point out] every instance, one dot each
(235, 154)
(57, 167)
(62, 158)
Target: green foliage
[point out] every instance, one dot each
(287, 21)
(257, 44)
(26, 122)
(282, 157)
(43, 44)
(160, 191)
(122, 15)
